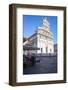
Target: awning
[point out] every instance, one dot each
(30, 48)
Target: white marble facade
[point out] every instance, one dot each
(43, 38)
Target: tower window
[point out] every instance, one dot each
(40, 36)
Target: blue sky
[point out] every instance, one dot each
(31, 23)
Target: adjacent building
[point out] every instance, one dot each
(55, 48)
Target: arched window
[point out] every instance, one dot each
(41, 50)
(46, 49)
(50, 50)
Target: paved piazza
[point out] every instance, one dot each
(47, 64)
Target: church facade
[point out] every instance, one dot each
(42, 38)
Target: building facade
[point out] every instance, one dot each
(42, 38)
